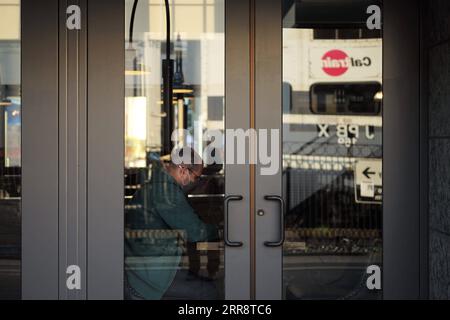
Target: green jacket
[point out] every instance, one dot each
(156, 229)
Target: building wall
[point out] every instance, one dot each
(437, 53)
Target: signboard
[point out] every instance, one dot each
(368, 181)
(345, 63)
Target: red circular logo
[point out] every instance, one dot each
(335, 62)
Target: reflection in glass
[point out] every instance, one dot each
(332, 154)
(173, 213)
(10, 151)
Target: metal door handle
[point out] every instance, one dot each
(227, 241)
(282, 208)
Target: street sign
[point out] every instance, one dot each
(368, 181)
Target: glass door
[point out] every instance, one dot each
(319, 218)
(300, 87)
(332, 154)
(207, 149)
(199, 224)
(185, 214)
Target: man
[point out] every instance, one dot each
(159, 223)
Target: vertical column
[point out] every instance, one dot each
(105, 202)
(40, 149)
(268, 115)
(237, 116)
(401, 150)
(72, 148)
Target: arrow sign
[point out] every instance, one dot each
(367, 173)
(368, 181)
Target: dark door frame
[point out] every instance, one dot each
(405, 221)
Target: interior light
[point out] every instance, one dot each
(183, 91)
(378, 96)
(136, 117)
(162, 102)
(136, 73)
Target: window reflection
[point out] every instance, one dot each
(10, 150)
(173, 214)
(332, 154)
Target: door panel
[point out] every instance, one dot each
(332, 127)
(105, 199)
(268, 178)
(332, 153)
(175, 232)
(237, 115)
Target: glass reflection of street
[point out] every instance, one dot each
(332, 123)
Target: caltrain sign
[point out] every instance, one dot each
(336, 64)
